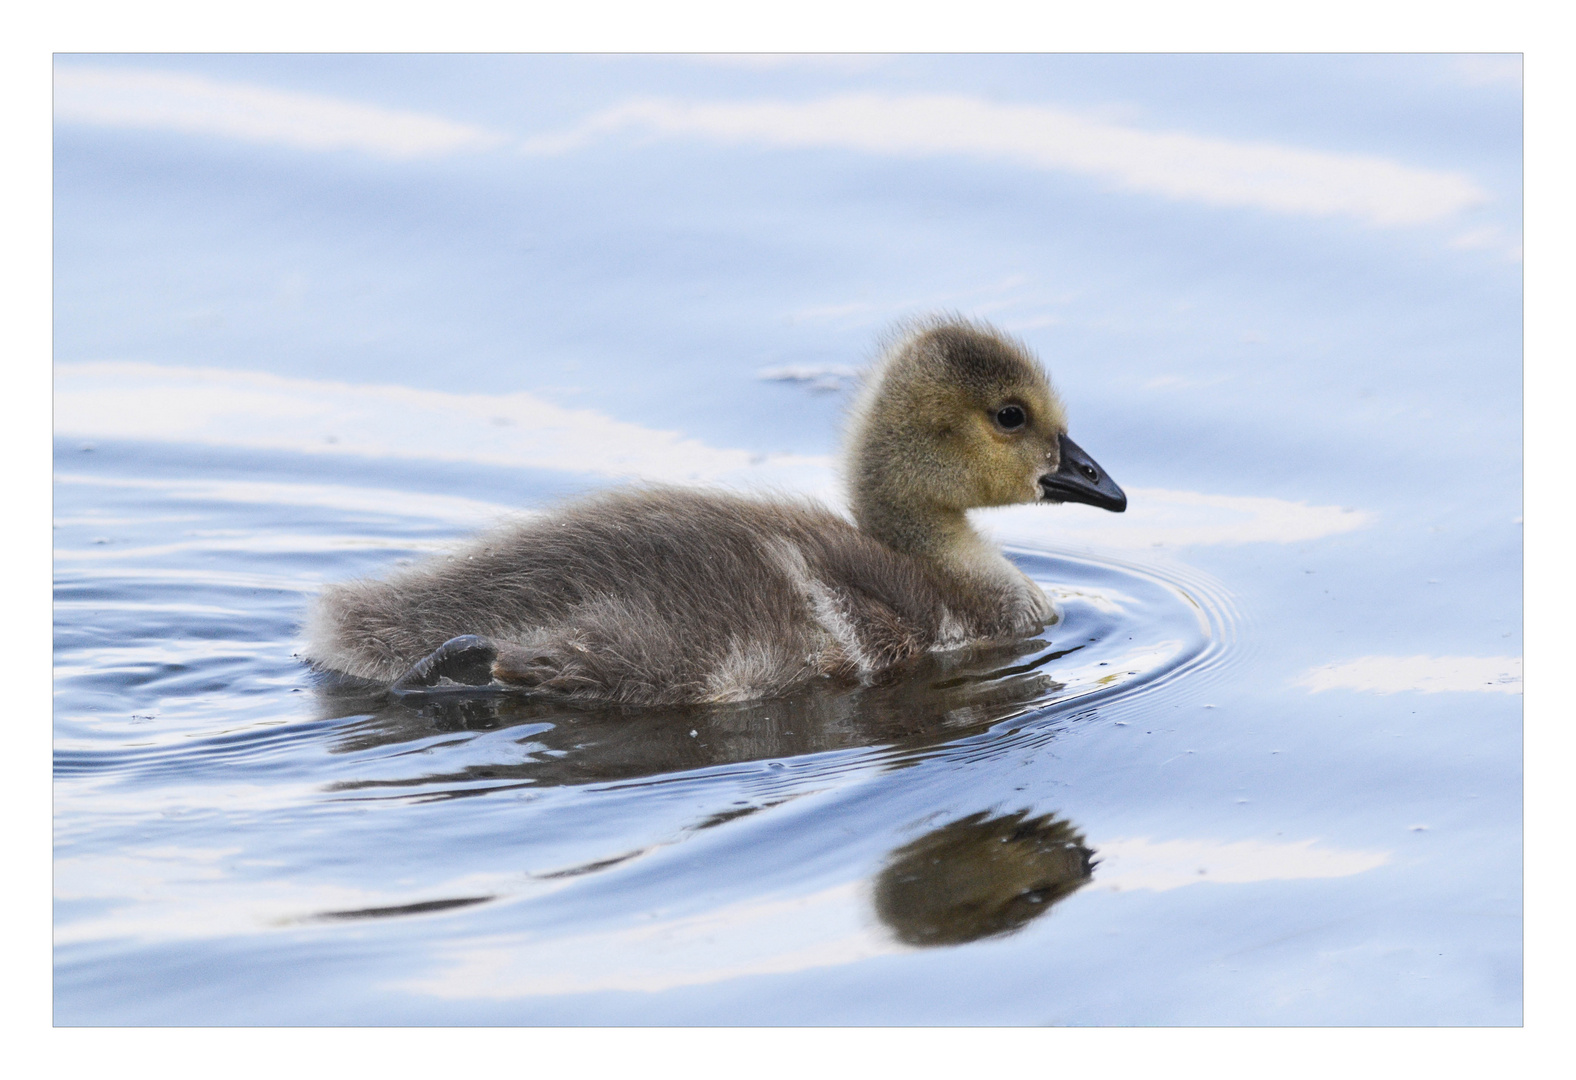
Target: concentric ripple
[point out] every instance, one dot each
(209, 787)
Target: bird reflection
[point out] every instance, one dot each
(980, 877)
(928, 702)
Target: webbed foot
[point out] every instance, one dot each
(463, 663)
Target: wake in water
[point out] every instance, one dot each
(181, 706)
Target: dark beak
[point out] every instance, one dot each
(1081, 480)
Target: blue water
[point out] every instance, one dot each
(1266, 769)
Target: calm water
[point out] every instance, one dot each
(1266, 769)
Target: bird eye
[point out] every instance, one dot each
(1011, 417)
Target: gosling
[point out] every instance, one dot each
(662, 596)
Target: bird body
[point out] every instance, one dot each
(652, 595)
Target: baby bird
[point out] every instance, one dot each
(660, 596)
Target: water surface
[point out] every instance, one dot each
(1265, 769)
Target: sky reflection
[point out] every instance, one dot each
(319, 316)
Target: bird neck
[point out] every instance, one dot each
(900, 502)
(940, 535)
